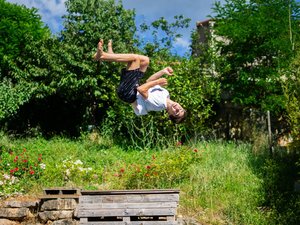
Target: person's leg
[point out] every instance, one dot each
(134, 61)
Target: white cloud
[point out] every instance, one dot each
(182, 43)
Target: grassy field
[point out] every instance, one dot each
(219, 182)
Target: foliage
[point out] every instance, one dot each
(20, 28)
(258, 39)
(155, 171)
(163, 35)
(66, 89)
(281, 201)
(18, 167)
(219, 182)
(292, 95)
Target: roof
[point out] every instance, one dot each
(203, 22)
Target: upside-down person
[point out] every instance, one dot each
(150, 96)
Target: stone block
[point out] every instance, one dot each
(14, 213)
(55, 215)
(59, 204)
(65, 222)
(8, 222)
(21, 204)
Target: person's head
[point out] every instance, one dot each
(176, 113)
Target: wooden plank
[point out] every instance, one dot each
(143, 205)
(122, 192)
(129, 223)
(127, 212)
(129, 198)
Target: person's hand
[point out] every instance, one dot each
(162, 81)
(168, 70)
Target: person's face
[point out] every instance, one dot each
(176, 110)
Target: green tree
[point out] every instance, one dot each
(71, 90)
(20, 27)
(260, 38)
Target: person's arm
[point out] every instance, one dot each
(167, 70)
(143, 89)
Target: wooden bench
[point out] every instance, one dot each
(130, 207)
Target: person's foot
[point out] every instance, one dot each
(99, 52)
(109, 47)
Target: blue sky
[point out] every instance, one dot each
(146, 11)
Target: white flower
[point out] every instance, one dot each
(78, 162)
(6, 176)
(43, 166)
(68, 172)
(13, 180)
(1, 183)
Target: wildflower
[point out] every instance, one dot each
(13, 180)
(43, 166)
(25, 160)
(40, 159)
(195, 150)
(78, 162)
(16, 159)
(6, 176)
(148, 167)
(147, 175)
(68, 172)
(122, 170)
(31, 172)
(1, 183)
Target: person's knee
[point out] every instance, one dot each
(145, 60)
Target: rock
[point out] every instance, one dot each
(55, 215)
(21, 204)
(59, 204)
(14, 213)
(8, 222)
(65, 222)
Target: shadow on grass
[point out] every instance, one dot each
(279, 173)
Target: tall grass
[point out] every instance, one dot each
(219, 182)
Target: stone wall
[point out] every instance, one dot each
(29, 211)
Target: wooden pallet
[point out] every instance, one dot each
(132, 207)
